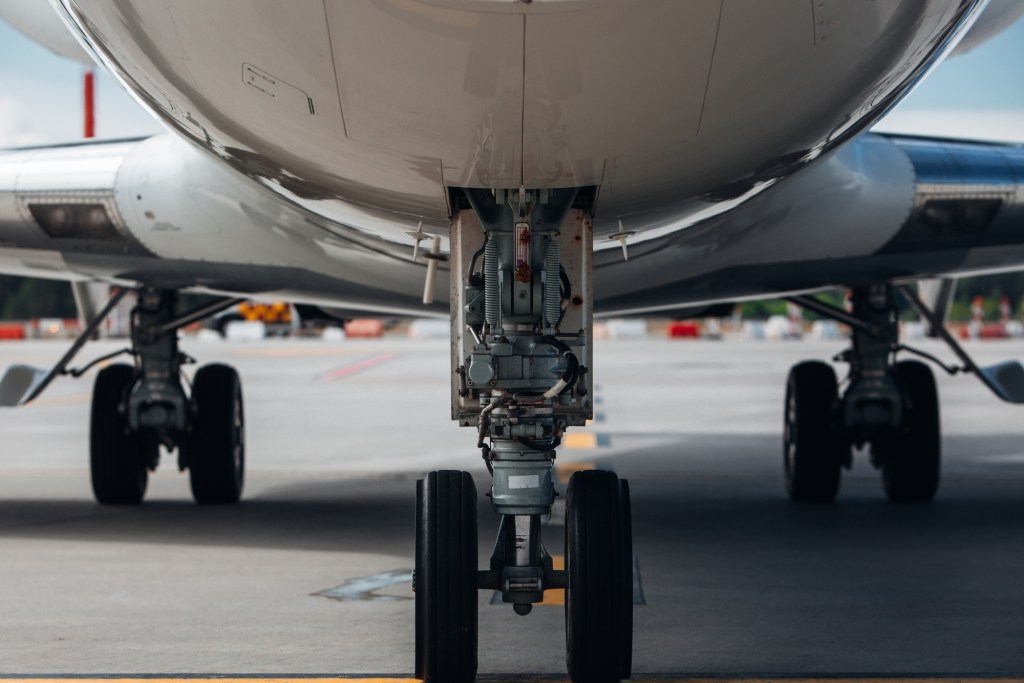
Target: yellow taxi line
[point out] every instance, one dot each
(341, 678)
(61, 400)
(555, 596)
(564, 470)
(579, 440)
(207, 679)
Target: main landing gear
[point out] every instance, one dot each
(521, 326)
(893, 406)
(139, 407)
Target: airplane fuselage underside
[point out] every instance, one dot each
(367, 113)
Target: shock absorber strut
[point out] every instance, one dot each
(520, 360)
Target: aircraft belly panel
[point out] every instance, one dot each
(591, 94)
(254, 83)
(783, 88)
(405, 97)
(433, 82)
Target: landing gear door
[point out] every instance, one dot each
(576, 240)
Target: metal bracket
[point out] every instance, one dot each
(196, 314)
(621, 237)
(522, 584)
(833, 313)
(950, 369)
(24, 383)
(1005, 380)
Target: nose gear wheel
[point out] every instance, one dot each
(599, 563)
(446, 578)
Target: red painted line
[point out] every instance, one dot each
(90, 104)
(357, 367)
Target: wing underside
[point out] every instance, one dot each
(880, 209)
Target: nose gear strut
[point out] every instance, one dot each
(521, 352)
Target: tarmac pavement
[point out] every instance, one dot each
(308, 574)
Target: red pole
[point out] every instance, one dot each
(90, 105)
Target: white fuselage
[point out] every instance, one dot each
(318, 141)
(665, 106)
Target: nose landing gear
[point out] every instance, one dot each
(521, 329)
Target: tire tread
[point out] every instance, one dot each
(599, 562)
(815, 471)
(210, 445)
(117, 459)
(446, 565)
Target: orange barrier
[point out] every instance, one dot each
(12, 331)
(994, 331)
(683, 330)
(364, 327)
(986, 331)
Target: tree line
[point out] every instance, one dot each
(24, 298)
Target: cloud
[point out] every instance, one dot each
(990, 125)
(18, 127)
(47, 113)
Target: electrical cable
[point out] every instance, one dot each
(564, 291)
(549, 445)
(476, 256)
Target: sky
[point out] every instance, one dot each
(977, 95)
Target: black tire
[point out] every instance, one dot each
(446, 584)
(910, 457)
(599, 564)
(118, 459)
(813, 449)
(215, 447)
